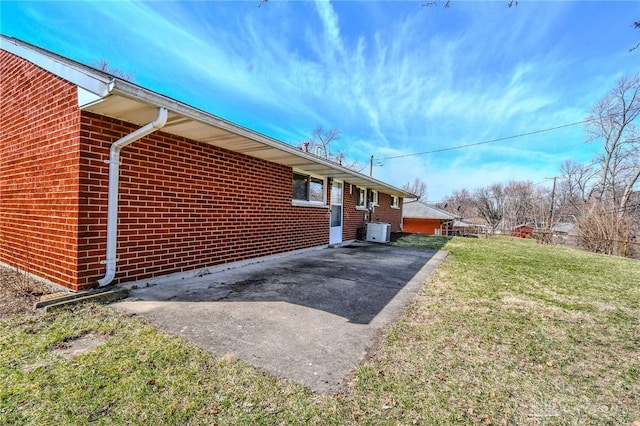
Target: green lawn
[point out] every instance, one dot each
(505, 332)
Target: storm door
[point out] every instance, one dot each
(335, 232)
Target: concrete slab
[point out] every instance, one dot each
(309, 317)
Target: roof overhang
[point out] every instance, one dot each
(103, 94)
(134, 104)
(419, 210)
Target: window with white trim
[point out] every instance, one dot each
(308, 188)
(361, 198)
(374, 197)
(395, 202)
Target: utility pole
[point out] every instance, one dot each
(550, 219)
(371, 166)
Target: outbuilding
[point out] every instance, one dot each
(418, 217)
(524, 230)
(103, 181)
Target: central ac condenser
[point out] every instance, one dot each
(379, 232)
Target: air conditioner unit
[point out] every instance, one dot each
(379, 232)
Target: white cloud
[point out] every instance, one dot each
(395, 79)
(331, 27)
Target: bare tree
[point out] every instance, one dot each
(603, 231)
(320, 140)
(506, 205)
(601, 194)
(320, 144)
(461, 204)
(522, 204)
(490, 203)
(103, 65)
(613, 124)
(417, 187)
(576, 183)
(637, 26)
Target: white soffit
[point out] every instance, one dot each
(180, 124)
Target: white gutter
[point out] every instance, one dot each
(114, 180)
(133, 91)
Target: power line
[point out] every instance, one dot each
(545, 181)
(490, 141)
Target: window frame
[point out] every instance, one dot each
(308, 202)
(362, 206)
(395, 202)
(375, 197)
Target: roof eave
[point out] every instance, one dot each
(133, 91)
(81, 75)
(106, 87)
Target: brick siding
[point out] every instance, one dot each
(183, 204)
(353, 218)
(39, 166)
(385, 213)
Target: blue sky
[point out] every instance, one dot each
(395, 78)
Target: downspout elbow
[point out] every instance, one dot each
(114, 182)
(161, 119)
(158, 123)
(109, 274)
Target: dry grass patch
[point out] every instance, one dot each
(18, 292)
(506, 332)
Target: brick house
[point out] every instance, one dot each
(103, 181)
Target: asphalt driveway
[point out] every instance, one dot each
(309, 317)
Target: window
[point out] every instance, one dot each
(374, 197)
(361, 198)
(300, 189)
(316, 190)
(395, 203)
(308, 188)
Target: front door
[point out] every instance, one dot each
(335, 231)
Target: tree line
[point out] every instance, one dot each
(601, 197)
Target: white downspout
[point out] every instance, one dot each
(114, 179)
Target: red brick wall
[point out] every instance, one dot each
(385, 213)
(39, 138)
(185, 205)
(354, 218)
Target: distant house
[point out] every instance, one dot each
(467, 228)
(563, 228)
(523, 231)
(566, 233)
(103, 181)
(421, 218)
